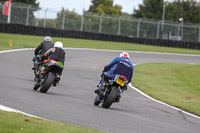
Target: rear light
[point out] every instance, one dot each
(122, 78)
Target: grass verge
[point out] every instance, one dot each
(25, 41)
(17, 123)
(173, 83)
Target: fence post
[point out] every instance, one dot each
(199, 35)
(158, 29)
(119, 26)
(138, 28)
(63, 21)
(100, 25)
(45, 18)
(163, 15)
(27, 17)
(9, 12)
(82, 19)
(37, 21)
(182, 29)
(178, 30)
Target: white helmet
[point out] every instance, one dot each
(47, 38)
(124, 55)
(58, 44)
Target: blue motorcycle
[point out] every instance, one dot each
(113, 88)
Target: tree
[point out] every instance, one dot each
(153, 9)
(72, 20)
(149, 9)
(105, 7)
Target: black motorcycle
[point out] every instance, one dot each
(47, 74)
(112, 91)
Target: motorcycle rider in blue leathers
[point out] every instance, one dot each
(119, 66)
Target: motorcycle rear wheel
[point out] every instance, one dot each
(110, 98)
(47, 84)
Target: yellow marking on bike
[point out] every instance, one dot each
(120, 82)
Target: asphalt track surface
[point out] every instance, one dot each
(72, 101)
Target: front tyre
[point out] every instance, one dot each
(111, 97)
(35, 87)
(48, 82)
(97, 100)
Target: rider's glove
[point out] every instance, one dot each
(39, 57)
(103, 73)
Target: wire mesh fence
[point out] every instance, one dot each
(116, 25)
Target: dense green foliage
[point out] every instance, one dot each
(149, 9)
(153, 9)
(72, 20)
(105, 7)
(188, 10)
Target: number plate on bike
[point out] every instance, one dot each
(120, 82)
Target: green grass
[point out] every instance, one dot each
(25, 41)
(17, 123)
(172, 83)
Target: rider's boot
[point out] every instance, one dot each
(36, 85)
(100, 89)
(35, 63)
(34, 67)
(101, 86)
(56, 81)
(118, 99)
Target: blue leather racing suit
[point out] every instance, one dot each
(120, 66)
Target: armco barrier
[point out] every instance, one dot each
(40, 31)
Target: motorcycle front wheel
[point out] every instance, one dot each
(96, 101)
(48, 82)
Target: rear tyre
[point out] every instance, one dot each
(111, 97)
(48, 82)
